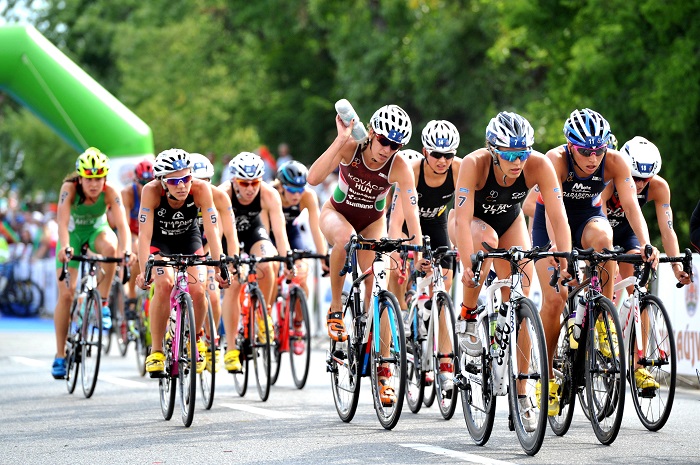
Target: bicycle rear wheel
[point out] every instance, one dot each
(605, 372)
(260, 335)
(388, 360)
(73, 348)
(299, 336)
(527, 367)
(167, 386)
(207, 378)
(429, 392)
(478, 400)
(187, 360)
(563, 365)
(279, 325)
(344, 364)
(415, 375)
(653, 406)
(240, 379)
(446, 395)
(119, 323)
(91, 343)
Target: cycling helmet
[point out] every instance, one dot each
(92, 164)
(201, 166)
(587, 128)
(292, 173)
(392, 122)
(144, 171)
(169, 161)
(645, 157)
(510, 130)
(440, 136)
(410, 154)
(612, 142)
(247, 165)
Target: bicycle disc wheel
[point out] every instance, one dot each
(91, 343)
(478, 400)
(388, 361)
(261, 337)
(563, 365)
(605, 372)
(528, 365)
(653, 406)
(167, 386)
(344, 364)
(119, 323)
(299, 337)
(415, 375)
(446, 395)
(73, 348)
(207, 378)
(187, 360)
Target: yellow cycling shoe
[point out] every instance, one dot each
(554, 395)
(270, 330)
(644, 379)
(232, 361)
(201, 350)
(155, 365)
(603, 343)
(209, 360)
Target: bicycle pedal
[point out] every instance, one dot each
(647, 393)
(157, 374)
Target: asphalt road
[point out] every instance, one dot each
(122, 423)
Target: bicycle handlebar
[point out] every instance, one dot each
(185, 261)
(93, 259)
(383, 245)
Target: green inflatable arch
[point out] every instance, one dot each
(41, 77)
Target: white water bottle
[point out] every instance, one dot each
(347, 113)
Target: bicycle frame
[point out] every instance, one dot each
(180, 287)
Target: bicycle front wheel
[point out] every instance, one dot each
(299, 336)
(187, 360)
(91, 343)
(119, 323)
(605, 371)
(415, 375)
(140, 328)
(207, 378)
(445, 389)
(345, 366)
(527, 367)
(73, 348)
(261, 337)
(167, 386)
(388, 359)
(658, 357)
(563, 367)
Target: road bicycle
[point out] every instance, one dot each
(292, 323)
(19, 297)
(513, 358)
(84, 342)
(375, 344)
(649, 340)
(119, 328)
(179, 343)
(254, 338)
(431, 337)
(588, 354)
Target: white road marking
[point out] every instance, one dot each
(456, 454)
(28, 361)
(122, 381)
(260, 411)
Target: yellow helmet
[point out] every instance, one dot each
(92, 164)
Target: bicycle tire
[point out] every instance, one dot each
(119, 323)
(37, 298)
(528, 342)
(261, 352)
(415, 375)
(654, 411)
(73, 348)
(446, 398)
(276, 350)
(563, 363)
(605, 389)
(299, 363)
(187, 360)
(141, 326)
(479, 388)
(91, 343)
(207, 378)
(240, 379)
(167, 386)
(343, 363)
(389, 414)
(429, 394)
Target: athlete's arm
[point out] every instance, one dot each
(150, 198)
(113, 199)
(402, 176)
(342, 149)
(222, 202)
(464, 213)
(271, 204)
(660, 193)
(309, 200)
(65, 200)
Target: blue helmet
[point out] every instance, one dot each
(587, 128)
(292, 173)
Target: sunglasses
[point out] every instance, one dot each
(586, 152)
(293, 190)
(644, 180)
(253, 183)
(511, 156)
(94, 171)
(439, 155)
(175, 181)
(388, 143)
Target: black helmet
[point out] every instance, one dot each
(292, 173)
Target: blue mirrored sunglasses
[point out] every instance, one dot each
(293, 190)
(511, 156)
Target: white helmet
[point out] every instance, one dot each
(510, 130)
(201, 166)
(169, 161)
(247, 165)
(392, 122)
(410, 154)
(440, 136)
(645, 157)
